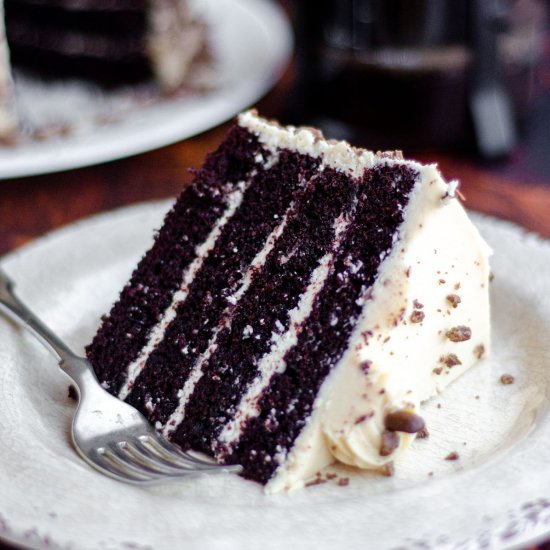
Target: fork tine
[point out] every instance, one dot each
(153, 460)
(174, 455)
(173, 451)
(116, 454)
(109, 468)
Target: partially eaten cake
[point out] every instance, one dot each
(301, 300)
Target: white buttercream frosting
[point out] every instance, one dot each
(393, 363)
(400, 354)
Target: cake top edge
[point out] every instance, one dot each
(311, 141)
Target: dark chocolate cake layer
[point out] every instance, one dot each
(322, 343)
(264, 204)
(108, 46)
(124, 332)
(110, 42)
(309, 236)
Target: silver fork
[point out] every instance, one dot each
(109, 435)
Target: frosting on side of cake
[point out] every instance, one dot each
(402, 351)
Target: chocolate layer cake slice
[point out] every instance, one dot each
(300, 301)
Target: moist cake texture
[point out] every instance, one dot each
(301, 300)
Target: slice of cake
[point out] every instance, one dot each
(300, 301)
(111, 42)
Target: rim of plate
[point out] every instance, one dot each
(114, 141)
(525, 528)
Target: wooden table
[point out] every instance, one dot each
(29, 207)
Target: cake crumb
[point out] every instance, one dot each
(430, 474)
(423, 433)
(365, 366)
(507, 379)
(479, 351)
(459, 333)
(417, 304)
(438, 370)
(343, 481)
(388, 469)
(454, 300)
(316, 481)
(450, 360)
(364, 417)
(389, 441)
(331, 475)
(452, 456)
(417, 316)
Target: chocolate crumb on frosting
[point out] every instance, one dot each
(479, 351)
(317, 481)
(365, 366)
(388, 443)
(404, 421)
(507, 379)
(417, 316)
(417, 304)
(388, 469)
(450, 360)
(423, 433)
(364, 417)
(452, 456)
(438, 370)
(459, 333)
(454, 299)
(343, 481)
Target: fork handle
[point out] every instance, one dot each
(12, 306)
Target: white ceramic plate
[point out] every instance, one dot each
(495, 496)
(251, 42)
